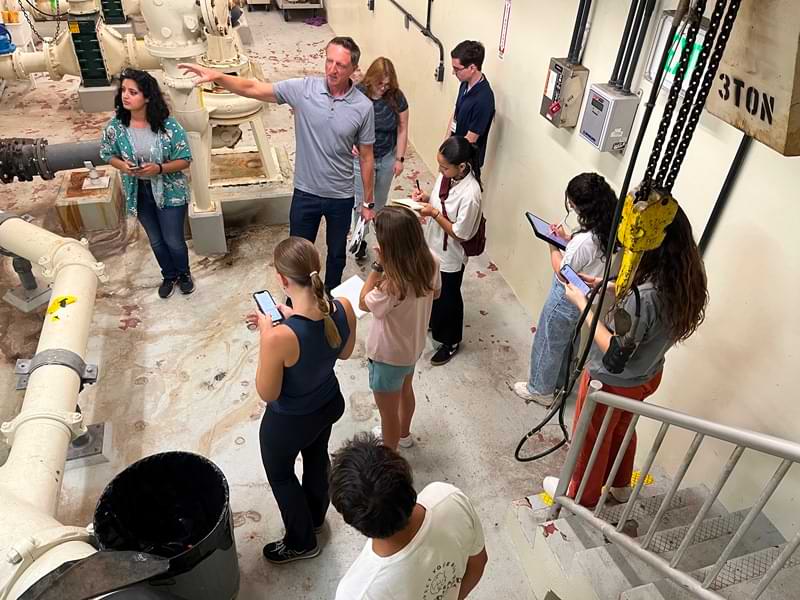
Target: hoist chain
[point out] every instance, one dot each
(33, 29)
(674, 92)
(691, 90)
(708, 81)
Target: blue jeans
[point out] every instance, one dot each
(553, 335)
(384, 173)
(164, 229)
(304, 217)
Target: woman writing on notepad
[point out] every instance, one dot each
(399, 293)
(453, 215)
(592, 200)
(391, 135)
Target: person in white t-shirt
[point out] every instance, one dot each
(421, 547)
(593, 201)
(453, 213)
(399, 293)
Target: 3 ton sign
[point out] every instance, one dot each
(756, 102)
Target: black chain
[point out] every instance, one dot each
(674, 92)
(708, 81)
(41, 12)
(691, 91)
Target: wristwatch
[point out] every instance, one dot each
(402, 159)
(377, 267)
(369, 205)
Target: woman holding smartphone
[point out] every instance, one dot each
(454, 213)
(590, 197)
(150, 149)
(671, 301)
(295, 377)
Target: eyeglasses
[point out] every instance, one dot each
(457, 70)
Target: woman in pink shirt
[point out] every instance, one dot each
(399, 293)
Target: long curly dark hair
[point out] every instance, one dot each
(157, 110)
(676, 270)
(594, 202)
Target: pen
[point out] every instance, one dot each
(419, 188)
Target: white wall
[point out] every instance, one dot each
(738, 368)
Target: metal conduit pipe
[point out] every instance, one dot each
(637, 51)
(623, 44)
(725, 193)
(626, 61)
(426, 31)
(30, 480)
(581, 18)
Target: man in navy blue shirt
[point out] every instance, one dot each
(474, 111)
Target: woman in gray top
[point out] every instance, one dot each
(669, 295)
(391, 134)
(151, 151)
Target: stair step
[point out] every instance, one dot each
(574, 535)
(614, 570)
(737, 580)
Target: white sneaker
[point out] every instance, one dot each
(621, 494)
(521, 390)
(549, 485)
(406, 442)
(403, 442)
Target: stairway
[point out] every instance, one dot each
(569, 558)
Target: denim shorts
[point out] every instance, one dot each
(387, 378)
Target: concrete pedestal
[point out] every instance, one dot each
(97, 99)
(208, 231)
(82, 210)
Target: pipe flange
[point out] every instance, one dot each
(54, 356)
(71, 420)
(24, 552)
(4, 216)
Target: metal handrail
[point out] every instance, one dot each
(742, 439)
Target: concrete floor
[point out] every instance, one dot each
(178, 373)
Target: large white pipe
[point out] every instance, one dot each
(30, 480)
(120, 51)
(56, 59)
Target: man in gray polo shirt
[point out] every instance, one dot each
(331, 116)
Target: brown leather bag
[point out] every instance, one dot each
(474, 246)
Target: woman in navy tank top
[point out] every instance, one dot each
(295, 377)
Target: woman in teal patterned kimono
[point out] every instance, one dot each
(151, 151)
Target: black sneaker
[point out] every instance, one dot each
(318, 528)
(166, 288)
(361, 253)
(444, 354)
(186, 284)
(278, 553)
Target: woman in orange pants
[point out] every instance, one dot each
(672, 292)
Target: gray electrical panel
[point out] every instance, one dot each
(563, 92)
(608, 118)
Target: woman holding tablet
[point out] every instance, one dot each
(669, 292)
(592, 199)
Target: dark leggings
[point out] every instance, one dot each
(447, 315)
(283, 437)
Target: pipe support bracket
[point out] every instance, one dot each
(71, 420)
(54, 356)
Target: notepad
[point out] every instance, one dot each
(351, 289)
(408, 203)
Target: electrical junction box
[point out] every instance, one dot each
(563, 92)
(608, 118)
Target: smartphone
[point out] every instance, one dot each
(266, 304)
(570, 275)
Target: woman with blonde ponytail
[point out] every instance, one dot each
(295, 377)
